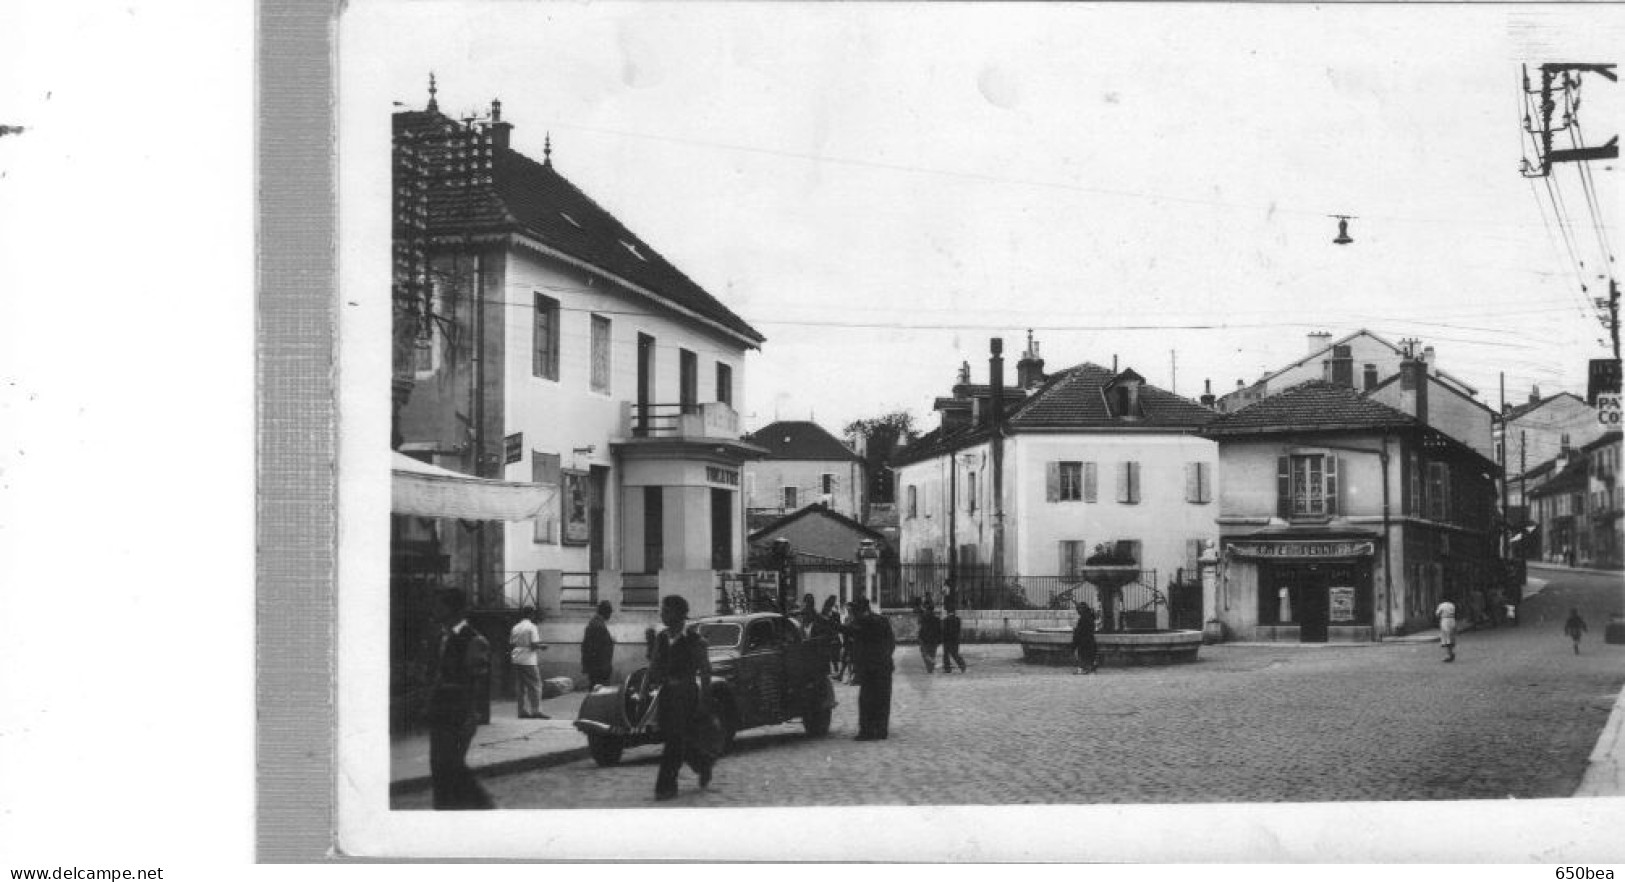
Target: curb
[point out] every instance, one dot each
(1603, 774)
(503, 767)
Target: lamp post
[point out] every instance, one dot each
(870, 556)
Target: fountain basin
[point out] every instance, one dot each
(1053, 646)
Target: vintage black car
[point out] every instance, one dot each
(764, 671)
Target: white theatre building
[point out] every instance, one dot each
(548, 343)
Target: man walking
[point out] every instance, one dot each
(598, 648)
(526, 644)
(872, 667)
(462, 673)
(680, 668)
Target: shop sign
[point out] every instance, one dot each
(513, 448)
(1342, 603)
(1608, 409)
(1302, 549)
(722, 476)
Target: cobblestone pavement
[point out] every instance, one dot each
(1515, 716)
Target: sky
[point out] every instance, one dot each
(881, 188)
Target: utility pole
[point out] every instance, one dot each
(1570, 73)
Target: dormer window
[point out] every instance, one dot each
(1123, 395)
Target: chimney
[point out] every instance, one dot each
(1208, 401)
(1413, 388)
(1319, 340)
(1030, 369)
(1370, 377)
(995, 370)
(499, 129)
(1534, 394)
(1564, 454)
(1341, 367)
(1427, 355)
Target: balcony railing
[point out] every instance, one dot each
(713, 419)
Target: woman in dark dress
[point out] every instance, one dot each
(1083, 640)
(681, 667)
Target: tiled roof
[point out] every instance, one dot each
(1529, 406)
(1574, 476)
(525, 196)
(1075, 398)
(1309, 406)
(819, 510)
(799, 439)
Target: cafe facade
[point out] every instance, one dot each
(1343, 519)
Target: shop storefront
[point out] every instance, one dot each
(1303, 590)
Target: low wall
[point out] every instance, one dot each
(986, 625)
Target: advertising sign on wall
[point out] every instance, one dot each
(1342, 603)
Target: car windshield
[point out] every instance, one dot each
(720, 635)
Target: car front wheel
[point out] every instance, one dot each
(605, 749)
(817, 722)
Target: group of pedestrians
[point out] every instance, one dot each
(859, 647)
(941, 632)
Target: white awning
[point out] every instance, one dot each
(417, 488)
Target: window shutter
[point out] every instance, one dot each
(1193, 554)
(1091, 483)
(1193, 486)
(1283, 486)
(1133, 482)
(1122, 482)
(1331, 485)
(1052, 482)
(1063, 562)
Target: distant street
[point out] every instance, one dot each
(1515, 716)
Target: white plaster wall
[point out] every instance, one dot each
(1247, 476)
(1451, 413)
(928, 529)
(559, 416)
(1163, 521)
(766, 480)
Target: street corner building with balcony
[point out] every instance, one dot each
(540, 342)
(1022, 488)
(1347, 514)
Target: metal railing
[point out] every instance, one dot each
(640, 590)
(578, 589)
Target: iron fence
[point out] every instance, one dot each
(578, 589)
(1125, 598)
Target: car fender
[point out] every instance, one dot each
(603, 712)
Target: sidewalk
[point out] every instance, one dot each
(506, 744)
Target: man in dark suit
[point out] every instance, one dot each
(873, 646)
(462, 675)
(598, 648)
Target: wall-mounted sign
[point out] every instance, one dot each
(1342, 597)
(722, 476)
(577, 527)
(1290, 549)
(1608, 409)
(1602, 377)
(513, 448)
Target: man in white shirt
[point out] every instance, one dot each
(526, 642)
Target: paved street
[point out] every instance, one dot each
(1515, 716)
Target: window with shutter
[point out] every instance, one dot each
(1198, 482)
(1283, 487)
(1069, 481)
(1128, 482)
(1310, 485)
(600, 353)
(544, 469)
(545, 339)
(1072, 557)
(1091, 482)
